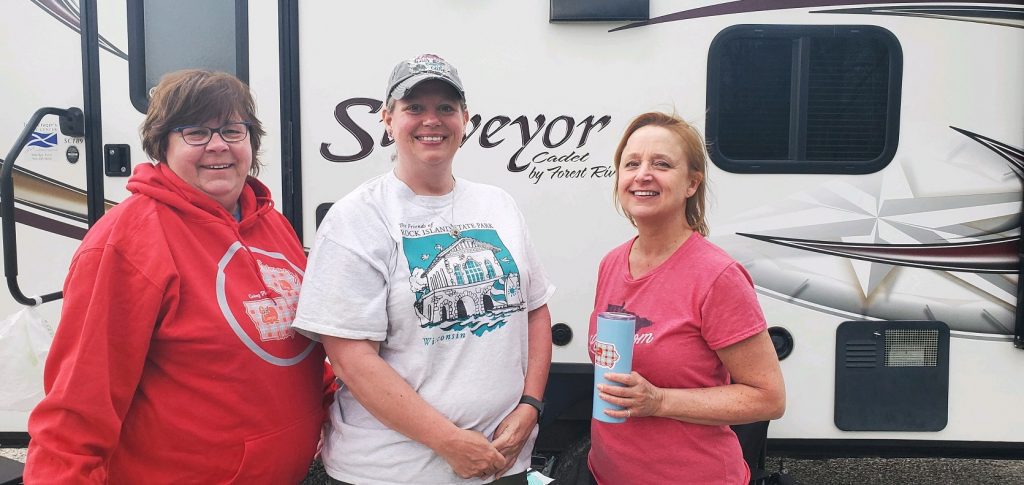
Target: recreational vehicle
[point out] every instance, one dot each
(866, 167)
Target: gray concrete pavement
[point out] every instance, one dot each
(911, 471)
(860, 471)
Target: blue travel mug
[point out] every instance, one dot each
(613, 352)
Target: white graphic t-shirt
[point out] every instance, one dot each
(445, 284)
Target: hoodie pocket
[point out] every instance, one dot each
(282, 456)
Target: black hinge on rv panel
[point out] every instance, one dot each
(1018, 332)
(599, 10)
(321, 212)
(117, 160)
(71, 124)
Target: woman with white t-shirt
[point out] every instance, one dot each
(431, 304)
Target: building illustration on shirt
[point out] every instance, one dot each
(465, 282)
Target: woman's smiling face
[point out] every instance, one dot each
(427, 124)
(217, 169)
(654, 177)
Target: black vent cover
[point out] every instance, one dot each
(892, 376)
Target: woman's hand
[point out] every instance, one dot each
(512, 433)
(756, 394)
(638, 397)
(470, 454)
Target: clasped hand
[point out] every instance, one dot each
(511, 434)
(470, 454)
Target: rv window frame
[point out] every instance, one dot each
(137, 91)
(798, 104)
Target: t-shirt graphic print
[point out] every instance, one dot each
(462, 283)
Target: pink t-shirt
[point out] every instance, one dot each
(698, 301)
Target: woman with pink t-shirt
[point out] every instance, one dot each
(702, 359)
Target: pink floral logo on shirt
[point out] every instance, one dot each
(281, 280)
(261, 314)
(273, 315)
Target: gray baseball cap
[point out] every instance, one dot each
(408, 73)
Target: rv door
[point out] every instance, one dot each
(104, 58)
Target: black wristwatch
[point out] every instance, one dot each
(532, 401)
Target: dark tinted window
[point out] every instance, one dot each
(755, 82)
(167, 36)
(847, 98)
(809, 99)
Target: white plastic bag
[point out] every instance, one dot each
(25, 339)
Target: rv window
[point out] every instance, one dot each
(168, 36)
(803, 99)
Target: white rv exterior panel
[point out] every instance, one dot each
(549, 102)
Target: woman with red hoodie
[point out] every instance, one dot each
(175, 360)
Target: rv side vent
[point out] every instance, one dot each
(860, 354)
(911, 348)
(892, 375)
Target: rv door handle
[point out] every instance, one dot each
(72, 123)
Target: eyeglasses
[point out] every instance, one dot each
(231, 132)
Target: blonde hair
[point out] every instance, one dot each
(696, 155)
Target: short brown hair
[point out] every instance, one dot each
(193, 96)
(696, 155)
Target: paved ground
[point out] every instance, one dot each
(858, 471)
(13, 453)
(911, 471)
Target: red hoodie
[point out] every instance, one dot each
(175, 360)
